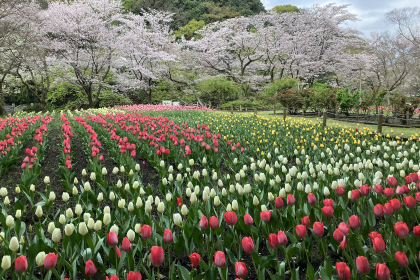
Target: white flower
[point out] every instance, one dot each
(47, 180)
(93, 176)
(40, 257)
(177, 219)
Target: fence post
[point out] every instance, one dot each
(240, 108)
(274, 108)
(407, 116)
(380, 120)
(255, 111)
(303, 111)
(284, 114)
(357, 114)
(324, 118)
(231, 109)
(336, 113)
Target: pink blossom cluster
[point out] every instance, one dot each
(156, 108)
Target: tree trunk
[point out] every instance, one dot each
(149, 96)
(2, 111)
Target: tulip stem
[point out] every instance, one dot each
(408, 274)
(116, 265)
(255, 267)
(158, 275)
(42, 277)
(278, 262)
(414, 259)
(323, 249)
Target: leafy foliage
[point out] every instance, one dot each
(347, 100)
(279, 84)
(218, 90)
(285, 9)
(189, 30)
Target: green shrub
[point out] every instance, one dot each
(347, 100)
(37, 107)
(111, 99)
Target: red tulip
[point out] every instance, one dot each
(354, 194)
(279, 202)
(301, 231)
(50, 260)
(392, 182)
(265, 216)
(134, 275)
(410, 201)
(318, 228)
(248, 245)
(240, 269)
(203, 224)
(344, 228)
(112, 239)
(156, 256)
(338, 235)
(418, 197)
(146, 231)
(167, 236)
(416, 230)
(214, 222)
(195, 259)
(401, 258)
(328, 211)
(343, 271)
(389, 192)
(328, 202)
(113, 277)
(401, 230)
(408, 179)
(382, 271)
(230, 218)
(374, 235)
(365, 190)
(282, 238)
(118, 252)
(378, 210)
(305, 221)
(378, 189)
(90, 268)
(219, 259)
(354, 222)
(126, 245)
(311, 199)
(388, 210)
(340, 191)
(378, 245)
(343, 244)
(248, 220)
(179, 201)
(21, 264)
(403, 190)
(362, 265)
(290, 199)
(273, 241)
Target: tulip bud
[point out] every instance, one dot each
(6, 262)
(38, 211)
(161, 207)
(18, 214)
(98, 225)
(131, 235)
(10, 221)
(17, 190)
(56, 235)
(115, 170)
(51, 227)
(47, 180)
(216, 201)
(14, 244)
(121, 203)
(177, 219)
(68, 229)
(326, 191)
(40, 257)
(75, 191)
(91, 224)
(137, 228)
(148, 206)
(119, 184)
(255, 201)
(51, 196)
(83, 229)
(106, 219)
(78, 209)
(122, 169)
(139, 202)
(114, 229)
(3, 192)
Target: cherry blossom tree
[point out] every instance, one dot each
(85, 38)
(15, 32)
(145, 46)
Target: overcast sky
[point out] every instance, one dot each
(371, 13)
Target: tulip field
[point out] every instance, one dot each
(173, 192)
